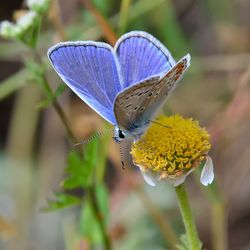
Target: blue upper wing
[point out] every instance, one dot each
(141, 56)
(91, 70)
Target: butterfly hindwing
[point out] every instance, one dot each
(91, 70)
(135, 109)
(128, 104)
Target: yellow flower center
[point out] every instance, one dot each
(171, 146)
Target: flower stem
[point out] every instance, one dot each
(192, 235)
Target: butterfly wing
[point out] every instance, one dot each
(136, 105)
(128, 104)
(141, 56)
(91, 70)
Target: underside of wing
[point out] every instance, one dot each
(128, 104)
(135, 106)
(141, 55)
(91, 70)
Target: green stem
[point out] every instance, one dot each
(192, 235)
(60, 112)
(99, 217)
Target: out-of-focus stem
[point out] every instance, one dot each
(160, 219)
(219, 217)
(219, 225)
(55, 17)
(55, 103)
(191, 231)
(61, 113)
(99, 218)
(101, 21)
(124, 15)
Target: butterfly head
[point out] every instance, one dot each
(119, 135)
(133, 133)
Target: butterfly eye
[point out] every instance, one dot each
(121, 134)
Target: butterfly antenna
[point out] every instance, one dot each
(121, 154)
(160, 124)
(86, 141)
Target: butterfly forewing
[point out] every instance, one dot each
(141, 56)
(135, 110)
(91, 70)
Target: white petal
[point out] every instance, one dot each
(149, 178)
(207, 173)
(178, 181)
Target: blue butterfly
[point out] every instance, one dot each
(126, 84)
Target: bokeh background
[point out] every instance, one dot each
(35, 148)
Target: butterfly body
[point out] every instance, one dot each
(125, 85)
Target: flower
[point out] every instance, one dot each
(15, 30)
(39, 6)
(171, 149)
(26, 20)
(8, 29)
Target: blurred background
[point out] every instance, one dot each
(54, 196)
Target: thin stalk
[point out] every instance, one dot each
(55, 17)
(60, 113)
(101, 21)
(218, 215)
(219, 226)
(99, 218)
(37, 58)
(191, 231)
(124, 15)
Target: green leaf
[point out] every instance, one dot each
(43, 104)
(91, 152)
(73, 182)
(14, 83)
(80, 169)
(60, 89)
(50, 98)
(184, 243)
(35, 68)
(61, 201)
(102, 199)
(37, 74)
(74, 164)
(89, 226)
(89, 223)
